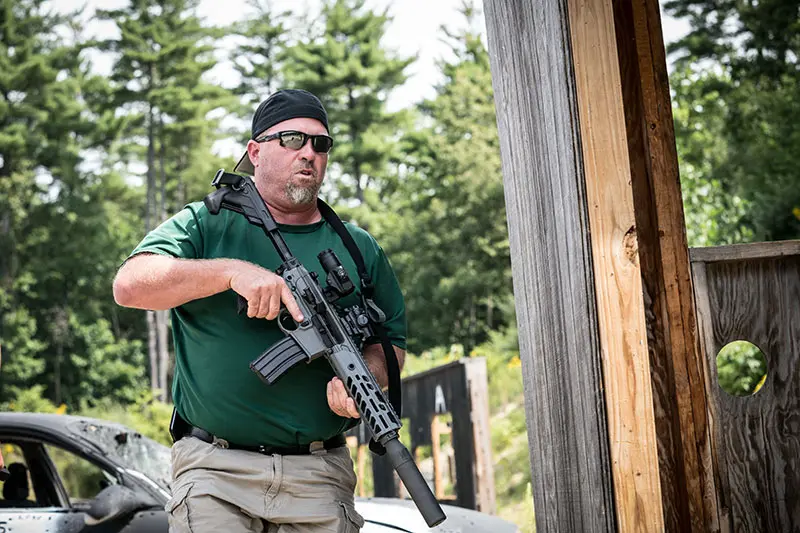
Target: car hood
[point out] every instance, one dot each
(404, 514)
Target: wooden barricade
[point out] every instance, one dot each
(751, 292)
(447, 401)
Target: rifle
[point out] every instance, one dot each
(326, 331)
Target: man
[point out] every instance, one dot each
(258, 458)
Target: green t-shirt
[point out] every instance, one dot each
(213, 387)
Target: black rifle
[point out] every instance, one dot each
(326, 330)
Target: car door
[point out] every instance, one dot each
(29, 497)
(61, 487)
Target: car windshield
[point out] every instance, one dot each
(129, 448)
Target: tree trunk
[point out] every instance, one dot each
(150, 217)
(181, 188)
(152, 349)
(490, 313)
(473, 326)
(57, 372)
(162, 316)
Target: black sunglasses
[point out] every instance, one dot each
(294, 140)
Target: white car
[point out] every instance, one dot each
(123, 480)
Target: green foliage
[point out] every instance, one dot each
(82, 480)
(163, 54)
(346, 66)
(714, 215)
(741, 368)
(43, 129)
(145, 414)
(257, 59)
(736, 110)
(447, 236)
(28, 400)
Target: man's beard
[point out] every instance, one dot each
(302, 195)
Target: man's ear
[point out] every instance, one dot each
(253, 149)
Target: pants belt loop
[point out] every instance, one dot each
(317, 447)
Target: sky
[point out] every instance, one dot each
(414, 30)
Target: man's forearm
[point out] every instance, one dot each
(376, 362)
(151, 281)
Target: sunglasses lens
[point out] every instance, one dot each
(292, 140)
(321, 143)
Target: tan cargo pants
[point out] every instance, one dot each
(233, 491)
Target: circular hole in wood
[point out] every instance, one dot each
(741, 368)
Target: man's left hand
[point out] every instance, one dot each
(339, 401)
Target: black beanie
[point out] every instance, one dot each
(282, 105)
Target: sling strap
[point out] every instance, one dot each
(373, 312)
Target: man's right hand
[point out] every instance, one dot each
(264, 291)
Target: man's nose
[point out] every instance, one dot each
(307, 151)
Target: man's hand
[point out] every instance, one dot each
(339, 401)
(264, 291)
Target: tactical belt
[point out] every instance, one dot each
(299, 449)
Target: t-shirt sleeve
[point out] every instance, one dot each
(179, 236)
(389, 296)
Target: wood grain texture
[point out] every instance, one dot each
(677, 370)
(546, 202)
(756, 250)
(478, 386)
(706, 342)
(757, 437)
(618, 277)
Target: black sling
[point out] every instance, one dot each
(367, 292)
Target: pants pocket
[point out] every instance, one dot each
(341, 468)
(177, 509)
(351, 521)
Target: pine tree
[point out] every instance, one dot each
(449, 240)
(257, 59)
(162, 55)
(60, 224)
(353, 75)
(38, 118)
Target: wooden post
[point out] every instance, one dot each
(688, 486)
(436, 451)
(362, 462)
(614, 383)
(546, 202)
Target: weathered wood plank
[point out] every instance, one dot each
(756, 250)
(618, 277)
(546, 202)
(684, 441)
(478, 385)
(705, 335)
(757, 300)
